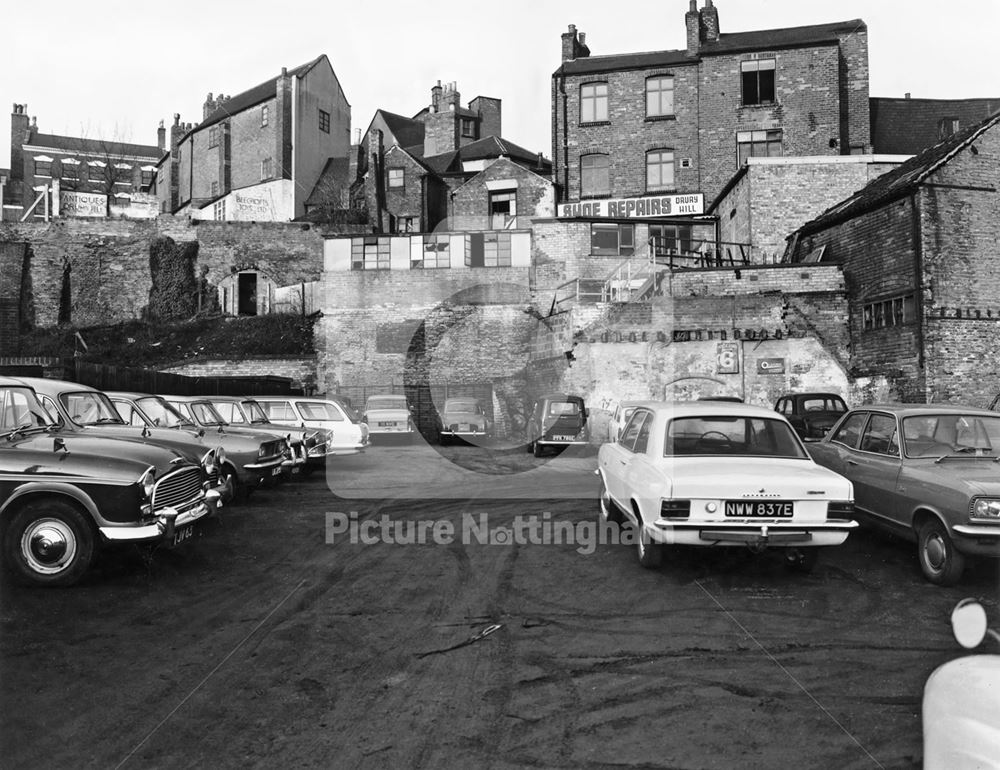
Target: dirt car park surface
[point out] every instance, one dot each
(262, 643)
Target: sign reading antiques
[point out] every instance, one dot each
(636, 208)
(686, 335)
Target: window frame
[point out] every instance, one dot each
(754, 86)
(624, 236)
(213, 136)
(43, 168)
(672, 165)
(589, 174)
(889, 312)
(324, 121)
(659, 93)
(392, 176)
(594, 96)
(265, 115)
(266, 171)
(768, 138)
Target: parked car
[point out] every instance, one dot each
(463, 418)
(811, 414)
(925, 472)
(717, 474)
(557, 421)
(346, 437)
(82, 408)
(311, 444)
(623, 410)
(251, 458)
(64, 493)
(388, 415)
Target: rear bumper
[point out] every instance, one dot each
(761, 534)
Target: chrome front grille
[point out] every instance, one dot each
(177, 489)
(273, 448)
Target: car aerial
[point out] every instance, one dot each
(557, 421)
(82, 408)
(463, 418)
(245, 412)
(720, 474)
(925, 472)
(64, 493)
(621, 413)
(251, 459)
(345, 436)
(811, 414)
(388, 415)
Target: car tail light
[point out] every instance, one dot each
(675, 509)
(839, 510)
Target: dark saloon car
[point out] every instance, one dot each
(63, 493)
(811, 414)
(927, 472)
(557, 421)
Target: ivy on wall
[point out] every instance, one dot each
(173, 294)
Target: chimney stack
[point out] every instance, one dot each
(574, 46)
(692, 21)
(161, 137)
(709, 23)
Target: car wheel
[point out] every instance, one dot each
(801, 559)
(49, 543)
(650, 553)
(941, 562)
(609, 511)
(443, 440)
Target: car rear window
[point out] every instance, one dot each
(557, 408)
(317, 410)
(725, 435)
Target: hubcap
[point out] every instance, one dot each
(935, 550)
(48, 545)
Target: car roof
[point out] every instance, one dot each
(708, 409)
(53, 387)
(560, 397)
(911, 410)
(812, 394)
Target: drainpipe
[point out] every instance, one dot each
(918, 267)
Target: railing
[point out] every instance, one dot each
(679, 255)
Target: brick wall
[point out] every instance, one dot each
(251, 143)
(405, 201)
(470, 203)
(109, 259)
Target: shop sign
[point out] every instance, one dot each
(636, 208)
(770, 366)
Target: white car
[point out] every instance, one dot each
(721, 474)
(623, 410)
(348, 437)
(389, 415)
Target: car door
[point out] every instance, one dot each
(640, 474)
(875, 466)
(619, 455)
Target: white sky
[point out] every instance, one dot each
(114, 69)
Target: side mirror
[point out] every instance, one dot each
(968, 623)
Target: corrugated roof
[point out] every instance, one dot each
(909, 126)
(899, 182)
(728, 43)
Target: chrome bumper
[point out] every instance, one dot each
(168, 521)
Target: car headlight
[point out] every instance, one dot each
(208, 462)
(147, 481)
(220, 456)
(261, 451)
(986, 508)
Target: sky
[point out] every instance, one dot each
(114, 70)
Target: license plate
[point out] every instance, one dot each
(276, 471)
(387, 425)
(563, 438)
(184, 534)
(776, 509)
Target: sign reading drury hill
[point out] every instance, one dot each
(635, 208)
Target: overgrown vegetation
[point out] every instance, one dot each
(157, 343)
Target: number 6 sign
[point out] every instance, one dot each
(727, 358)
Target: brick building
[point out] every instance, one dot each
(918, 246)
(408, 169)
(52, 174)
(643, 126)
(907, 126)
(258, 155)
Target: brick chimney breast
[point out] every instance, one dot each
(709, 23)
(692, 21)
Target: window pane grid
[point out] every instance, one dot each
(659, 96)
(593, 102)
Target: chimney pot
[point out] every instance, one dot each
(906, 95)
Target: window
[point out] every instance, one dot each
(850, 429)
(757, 144)
(215, 189)
(147, 177)
(947, 127)
(324, 121)
(396, 177)
(880, 435)
(670, 239)
(758, 81)
(659, 97)
(436, 253)
(488, 250)
(595, 176)
(213, 136)
(69, 168)
(265, 114)
(503, 209)
(632, 429)
(659, 170)
(122, 199)
(265, 169)
(469, 127)
(95, 172)
(896, 311)
(219, 211)
(593, 102)
(43, 168)
(370, 254)
(612, 240)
